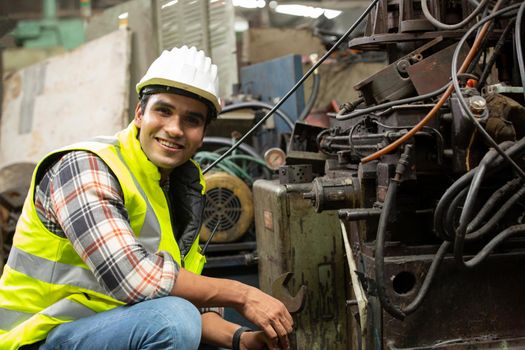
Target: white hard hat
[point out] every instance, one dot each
(187, 69)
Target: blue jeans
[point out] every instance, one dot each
(164, 323)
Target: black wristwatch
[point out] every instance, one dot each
(236, 340)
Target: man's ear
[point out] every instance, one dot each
(138, 115)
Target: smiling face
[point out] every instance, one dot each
(171, 129)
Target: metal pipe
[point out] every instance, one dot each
(49, 8)
(359, 214)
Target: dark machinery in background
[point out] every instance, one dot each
(229, 204)
(14, 184)
(417, 187)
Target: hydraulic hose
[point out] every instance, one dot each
(492, 202)
(471, 199)
(432, 113)
(494, 219)
(386, 212)
(379, 257)
(461, 235)
(502, 236)
(228, 142)
(450, 221)
(449, 195)
(258, 105)
(243, 147)
(227, 166)
(296, 86)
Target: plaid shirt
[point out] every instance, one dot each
(80, 198)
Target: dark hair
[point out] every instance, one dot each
(149, 90)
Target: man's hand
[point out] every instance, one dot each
(258, 307)
(255, 341)
(270, 315)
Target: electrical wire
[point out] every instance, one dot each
(350, 134)
(495, 54)
(441, 25)
(259, 105)
(296, 86)
(360, 112)
(432, 113)
(440, 140)
(519, 48)
(481, 52)
(461, 99)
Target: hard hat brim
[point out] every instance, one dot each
(165, 82)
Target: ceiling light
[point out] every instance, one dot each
(306, 11)
(241, 25)
(168, 4)
(249, 4)
(331, 14)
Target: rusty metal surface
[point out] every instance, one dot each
(433, 72)
(310, 246)
(476, 344)
(383, 39)
(394, 81)
(387, 85)
(452, 316)
(395, 21)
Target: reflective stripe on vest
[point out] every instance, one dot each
(65, 308)
(36, 267)
(47, 282)
(149, 236)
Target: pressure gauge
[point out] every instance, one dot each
(274, 158)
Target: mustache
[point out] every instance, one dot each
(178, 140)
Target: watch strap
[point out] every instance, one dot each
(236, 340)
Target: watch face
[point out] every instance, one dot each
(274, 158)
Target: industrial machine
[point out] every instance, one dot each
(401, 225)
(51, 31)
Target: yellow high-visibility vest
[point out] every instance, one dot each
(45, 282)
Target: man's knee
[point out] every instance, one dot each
(179, 318)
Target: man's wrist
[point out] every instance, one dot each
(236, 339)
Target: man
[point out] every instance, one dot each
(99, 261)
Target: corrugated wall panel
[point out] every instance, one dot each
(186, 22)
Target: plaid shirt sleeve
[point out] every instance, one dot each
(80, 198)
